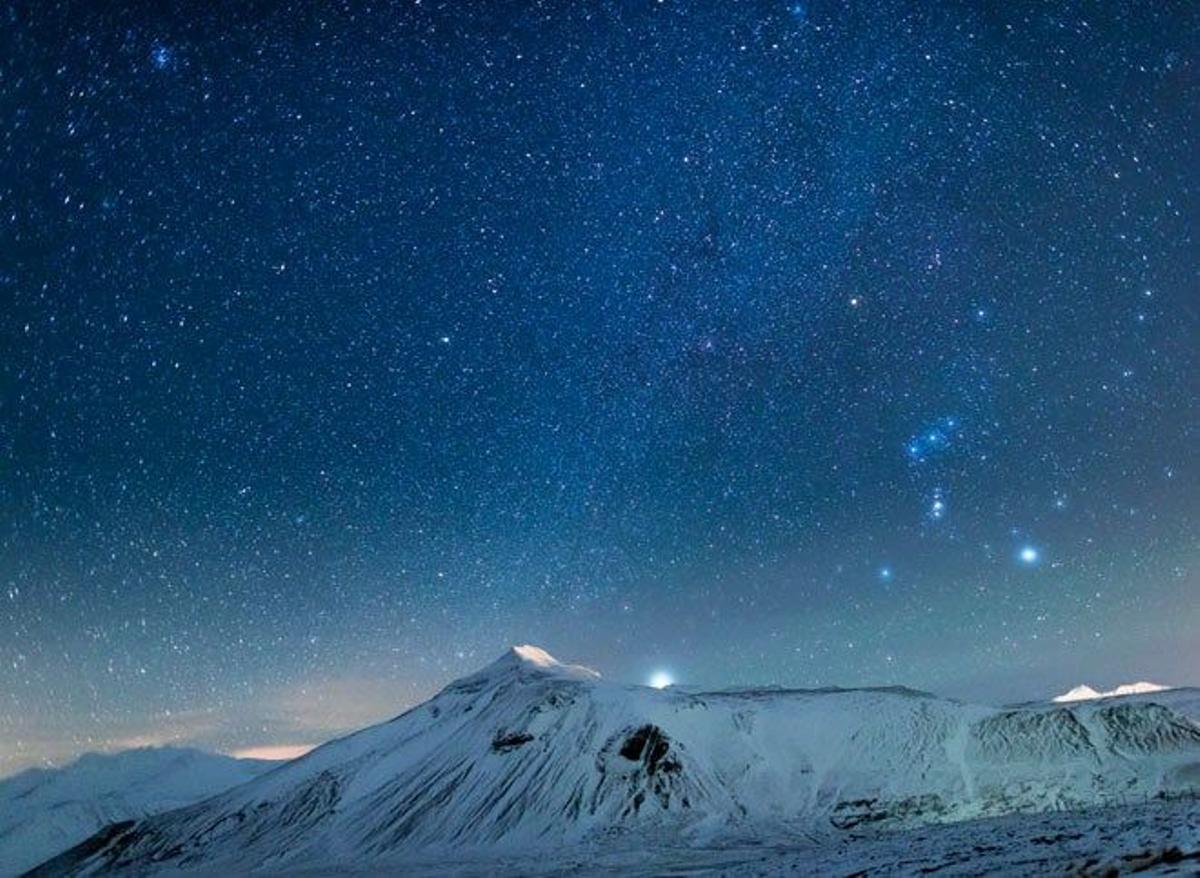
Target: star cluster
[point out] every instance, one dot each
(813, 343)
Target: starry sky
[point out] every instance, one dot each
(343, 345)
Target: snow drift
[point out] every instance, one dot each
(44, 811)
(530, 754)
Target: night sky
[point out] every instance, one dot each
(342, 346)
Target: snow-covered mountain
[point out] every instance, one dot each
(45, 811)
(1087, 693)
(529, 755)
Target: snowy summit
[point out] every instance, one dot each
(1087, 693)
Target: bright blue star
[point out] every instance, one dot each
(1029, 555)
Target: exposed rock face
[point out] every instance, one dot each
(503, 743)
(648, 767)
(649, 745)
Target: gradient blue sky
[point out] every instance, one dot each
(813, 343)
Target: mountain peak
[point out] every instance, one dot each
(532, 655)
(523, 663)
(533, 658)
(1082, 692)
(1087, 693)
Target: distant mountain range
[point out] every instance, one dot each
(44, 811)
(1087, 693)
(533, 765)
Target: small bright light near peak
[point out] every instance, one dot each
(661, 680)
(1029, 555)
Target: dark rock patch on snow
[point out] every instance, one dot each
(503, 743)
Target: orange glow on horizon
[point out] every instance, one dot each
(276, 752)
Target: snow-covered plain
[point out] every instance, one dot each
(1153, 838)
(45, 810)
(535, 766)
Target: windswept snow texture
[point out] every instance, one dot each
(45, 811)
(529, 755)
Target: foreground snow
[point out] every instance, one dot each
(507, 769)
(1159, 837)
(45, 811)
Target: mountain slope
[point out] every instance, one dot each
(529, 754)
(44, 811)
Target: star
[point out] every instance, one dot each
(937, 506)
